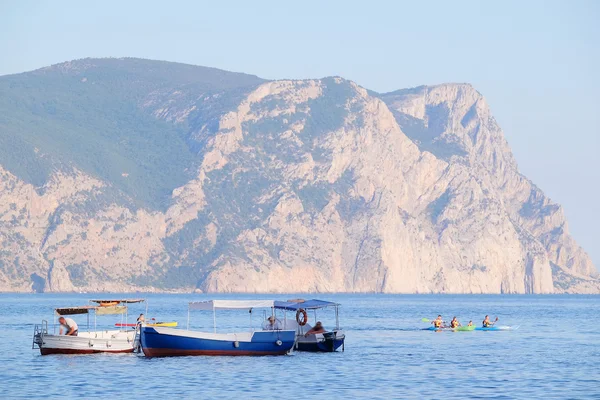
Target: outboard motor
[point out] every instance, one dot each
(329, 341)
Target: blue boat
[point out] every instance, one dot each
(326, 341)
(164, 341)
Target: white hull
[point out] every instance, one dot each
(88, 342)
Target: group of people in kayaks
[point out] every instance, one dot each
(455, 323)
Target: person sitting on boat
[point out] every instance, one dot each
(487, 323)
(454, 323)
(272, 324)
(470, 323)
(438, 323)
(71, 328)
(318, 328)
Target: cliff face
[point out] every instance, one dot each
(285, 186)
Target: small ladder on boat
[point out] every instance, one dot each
(39, 331)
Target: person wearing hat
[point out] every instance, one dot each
(318, 328)
(272, 324)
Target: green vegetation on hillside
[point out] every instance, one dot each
(89, 115)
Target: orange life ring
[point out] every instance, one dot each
(301, 321)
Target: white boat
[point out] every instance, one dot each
(90, 341)
(327, 341)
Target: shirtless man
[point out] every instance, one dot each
(487, 323)
(318, 328)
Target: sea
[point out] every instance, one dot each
(554, 354)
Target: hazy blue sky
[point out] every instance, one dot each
(537, 62)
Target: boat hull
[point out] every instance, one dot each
(166, 342)
(87, 343)
(328, 342)
(497, 328)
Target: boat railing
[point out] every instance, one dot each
(39, 331)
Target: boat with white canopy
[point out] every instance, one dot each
(88, 341)
(164, 341)
(324, 340)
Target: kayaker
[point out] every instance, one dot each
(487, 323)
(70, 326)
(438, 323)
(454, 323)
(470, 323)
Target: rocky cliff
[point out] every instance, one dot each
(140, 175)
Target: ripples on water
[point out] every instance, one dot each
(554, 354)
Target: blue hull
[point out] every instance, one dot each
(326, 346)
(174, 342)
(497, 328)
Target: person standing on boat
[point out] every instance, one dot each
(454, 323)
(70, 326)
(272, 324)
(140, 320)
(438, 322)
(318, 328)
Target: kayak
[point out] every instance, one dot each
(169, 324)
(465, 328)
(459, 329)
(497, 328)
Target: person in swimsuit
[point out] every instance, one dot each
(318, 328)
(470, 323)
(487, 323)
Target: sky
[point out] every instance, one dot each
(536, 62)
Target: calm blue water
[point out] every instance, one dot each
(554, 354)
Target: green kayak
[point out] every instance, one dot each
(465, 328)
(459, 329)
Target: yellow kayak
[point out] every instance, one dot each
(166, 324)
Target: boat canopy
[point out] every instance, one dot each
(112, 310)
(313, 304)
(118, 301)
(230, 304)
(74, 310)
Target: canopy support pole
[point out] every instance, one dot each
(214, 321)
(188, 320)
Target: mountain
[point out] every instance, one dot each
(129, 174)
